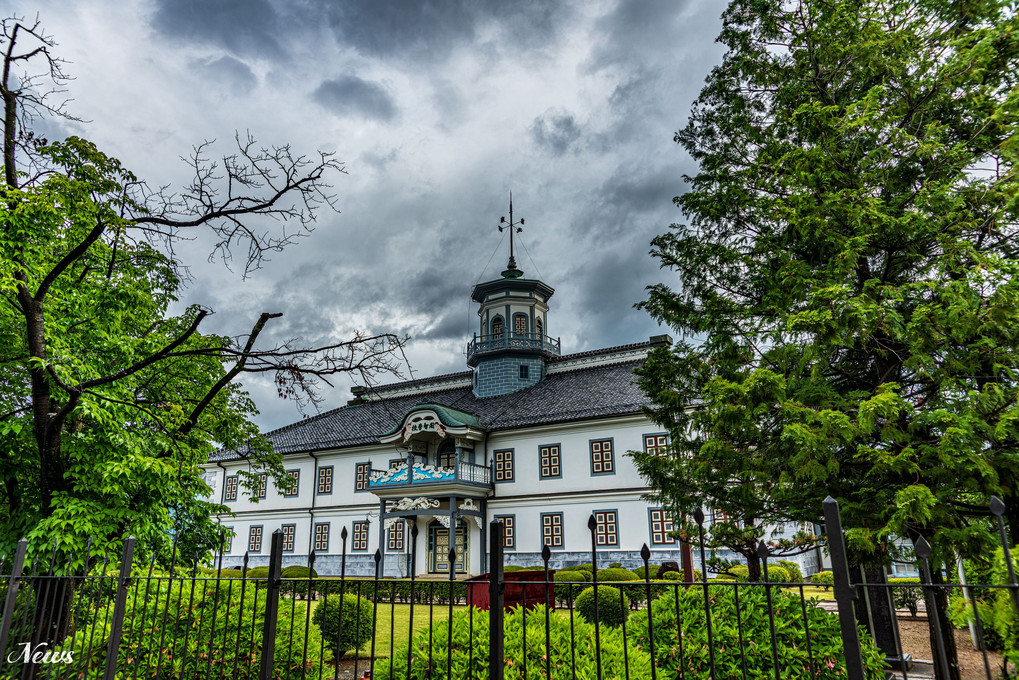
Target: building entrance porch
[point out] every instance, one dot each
(417, 534)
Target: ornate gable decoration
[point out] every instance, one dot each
(434, 422)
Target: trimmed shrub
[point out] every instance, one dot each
(672, 576)
(512, 567)
(358, 623)
(637, 591)
(299, 585)
(776, 574)
(613, 574)
(613, 605)
(470, 641)
(583, 567)
(825, 636)
(228, 573)
(642, 572)
(825, 579)
(616, 565)
(795, 573)
(257, 572)
(907, 597)
(570, 577)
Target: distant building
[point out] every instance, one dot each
(527, 435)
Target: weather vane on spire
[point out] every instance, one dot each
(511, 267)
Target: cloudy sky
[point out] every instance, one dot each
(438, 110)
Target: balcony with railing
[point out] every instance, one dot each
(481, 344)
(402, 478)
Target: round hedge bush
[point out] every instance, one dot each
(672, 576)
(642, 572)
(825, 635)
(824, 579)
(570, 577)
(615, 574)
(257, 572)
(795, 573)
(613, 605)
(358, 623)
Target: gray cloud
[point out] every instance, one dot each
(350, 95)
(227, 71)
(429, 31)
(248, 27)
(555, 130)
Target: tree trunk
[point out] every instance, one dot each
(876, 612)
(753, 568)
(52, 620)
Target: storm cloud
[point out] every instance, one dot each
(439, 110)
(350, 95)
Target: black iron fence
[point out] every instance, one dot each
(116, 618)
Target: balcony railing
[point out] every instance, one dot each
(538, 341)
(420, 474)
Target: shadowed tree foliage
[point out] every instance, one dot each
(847, 288)
(109, 403)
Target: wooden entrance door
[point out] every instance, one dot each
(438, 549)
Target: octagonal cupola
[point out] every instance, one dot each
(513, 345)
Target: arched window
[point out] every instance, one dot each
(520, 324)
(497, 327)
(538, 328)
(446, 455)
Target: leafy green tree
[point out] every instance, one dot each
(110, 404)
(847, 275)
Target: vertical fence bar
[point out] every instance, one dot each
(272, 604)
(343, 590)
(496, 589)
(698, 516)
(145, 603)
(546, 554)
(375, 612)
(645, 556)
(113, 649)
(449, 619)
(240, 616)
(307, 612)
(215, 594)
(12, 595)
(762, 552)
(413, 576)
(844, 590)
(592, 526)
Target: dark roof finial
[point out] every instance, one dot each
(511, 267)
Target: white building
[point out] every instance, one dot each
(527, 435)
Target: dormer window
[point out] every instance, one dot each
(497, 327)
(520, 324)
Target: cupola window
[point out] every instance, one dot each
(538, 328)
(497, 327)
(520, 325)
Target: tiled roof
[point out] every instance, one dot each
(597, 391)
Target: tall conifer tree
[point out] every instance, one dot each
(847, 289)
